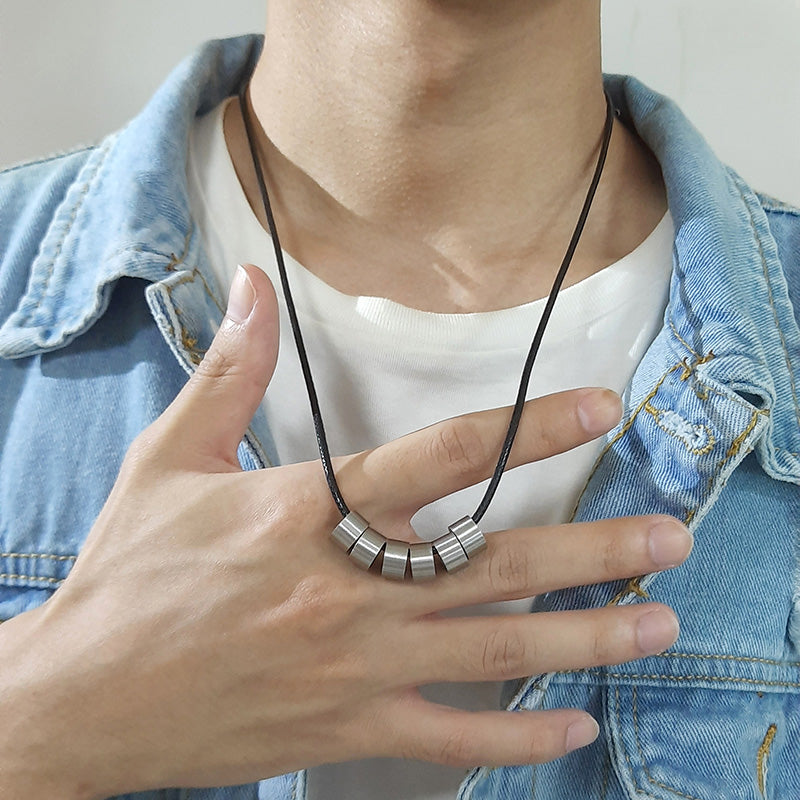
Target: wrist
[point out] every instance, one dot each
(38, 742)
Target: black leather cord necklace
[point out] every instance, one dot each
(464, 539)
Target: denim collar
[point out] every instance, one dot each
(729, 317)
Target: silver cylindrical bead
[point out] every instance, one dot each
(423, 566)
(451, 552)
(366, 549)
(346, 533)
(470, 535)
(395, 558)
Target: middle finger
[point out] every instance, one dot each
(523, 562)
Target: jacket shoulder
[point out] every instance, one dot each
(784, 224)
(30, 194)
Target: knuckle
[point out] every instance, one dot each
(144, 449)
(505, 654)
(534, 748)
(458, 447)
(458, 749)
(297, 504)
(324, 607)
(548, 436)
(217, 364)
(603, 639)
(512, 570)
(613, 555)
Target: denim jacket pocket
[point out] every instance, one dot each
(27, 580)
(697, 743)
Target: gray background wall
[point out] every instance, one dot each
(70, 72)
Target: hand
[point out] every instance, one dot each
(211, 633)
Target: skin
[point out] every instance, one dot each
(205, 602)
(438, 153)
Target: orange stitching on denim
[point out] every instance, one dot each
(725, 657)
(731, 398)
(732, 451)
(189, 342)
(761, 758)
(641, 754)
(29, 577)
(622, 431)
(189, 278)
(682, 340)
(625, 749)
(631, 587)
(679, 678)
(658, 415)
(174, 261)
(690, 368)
(38, 555)
(211, 294)
(70, 223)
(772, 305)
(739, 440)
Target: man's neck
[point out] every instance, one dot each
(438, 153)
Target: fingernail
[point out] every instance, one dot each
(242, 296)
(670, 543)
(581, 733)
(656, 631)
(599, 410)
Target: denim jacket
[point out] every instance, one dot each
(107, 301)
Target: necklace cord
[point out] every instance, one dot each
(516, 415)
(519, 405)
(316, 415)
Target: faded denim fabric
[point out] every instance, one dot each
(107, 302)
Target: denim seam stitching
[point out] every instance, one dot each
(37, 161)
(642, 758)
(606, 775)
(772, 304)
(713, 678)
(625, 749)
(623, 430)
(682, 340)
(59, 247)
(38, 555)
(175, 261)
(15, 576)
(775, 205)
(727, 657)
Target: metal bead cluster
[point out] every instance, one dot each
(463, 541)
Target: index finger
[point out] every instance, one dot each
(443, 458)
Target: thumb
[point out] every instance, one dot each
(212, 411)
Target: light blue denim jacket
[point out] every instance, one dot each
(107, 302)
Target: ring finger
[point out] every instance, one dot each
(499, 648)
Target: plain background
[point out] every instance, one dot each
(71, 72)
